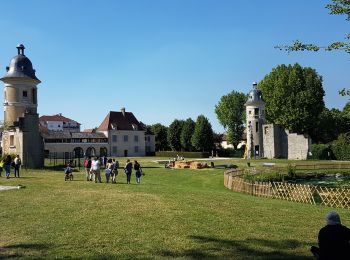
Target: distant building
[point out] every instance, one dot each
(21, 121)
(126, 135)
(59, 123)
(270, 140)
(226, 145)
(120, 134)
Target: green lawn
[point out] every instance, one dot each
(185, 214)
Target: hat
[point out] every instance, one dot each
(333, 218)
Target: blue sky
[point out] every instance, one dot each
(164, 59)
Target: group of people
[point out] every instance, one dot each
(7, 163)
(93, 167)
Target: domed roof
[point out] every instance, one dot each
(20, 66)
(255, 96)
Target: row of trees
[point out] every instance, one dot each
(184, 135)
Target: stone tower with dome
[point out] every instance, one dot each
(21, 121)
(255, 114)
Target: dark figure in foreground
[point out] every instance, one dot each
(138, 171)
(17, 165)
(128, 170)
(333, 240)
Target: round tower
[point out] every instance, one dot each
(21, 121)
(20, 91)
(255, 114)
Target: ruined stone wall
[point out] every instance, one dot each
(298, 146)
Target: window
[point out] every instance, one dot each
(12, 140)
(34, 96)
(136, 149)
(114, 150)
(126, 138)
(250, 112)
(136, 138)
(257, 126)
(114, 138)
(256, 112)
(25, 94)
(266, 130)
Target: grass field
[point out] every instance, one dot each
(184, 214)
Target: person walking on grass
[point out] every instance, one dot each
(114, 172)
(17, 165)
(109, 170)
(128, 170)
(333, 239)
(7, 166)
(87, 166)
(96, 167)
(138, 171)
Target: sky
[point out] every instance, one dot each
(164, 59)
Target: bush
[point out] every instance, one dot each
(238, 153)
(13, 156)
(321, 152)
(341, 147)
(173, 154)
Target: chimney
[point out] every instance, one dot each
(123, 110)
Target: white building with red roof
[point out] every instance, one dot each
(59, 123)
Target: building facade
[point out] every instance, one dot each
(59, 123)
(21, 121)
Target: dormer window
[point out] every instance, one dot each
(134, 127)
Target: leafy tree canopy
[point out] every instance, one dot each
(338, 7)
(174, 134)
(202, 138)
(230, 112)
(161, 132)
(293, 96)
(186, 134)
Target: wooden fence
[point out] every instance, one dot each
(332, 197)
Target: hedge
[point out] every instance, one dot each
(174, 154)
(341, 147)
(321, 152)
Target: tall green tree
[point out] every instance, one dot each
(203, 139)
(161, 136)
(230, 112)
(293, 96)
(337, 7)
(174, 134)
(186, 134)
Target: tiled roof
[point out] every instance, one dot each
(69, 135)
(120, 121)
(57, 117)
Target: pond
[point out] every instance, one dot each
(327, 180)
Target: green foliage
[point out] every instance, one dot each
(203, 137)
(174, 134)
(338, 7)
(230, 112)
(341, 147)
(293, 96)
(346, 109)
(161, 133)
(186, 134)
(3, 157)
(329, 125)
(236, 153)
(321, 152)
(174, 154)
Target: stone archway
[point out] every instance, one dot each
(103, 151)
(90, 151)
(78, 152)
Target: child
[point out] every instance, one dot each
(68, 172)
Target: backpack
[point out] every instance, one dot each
(87, 164)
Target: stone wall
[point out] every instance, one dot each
(298, 147)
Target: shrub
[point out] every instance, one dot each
(173, 154)
(341, 147)
(321, 152)
(238, 153)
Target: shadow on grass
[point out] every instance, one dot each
(6, 252)
(214, 248)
